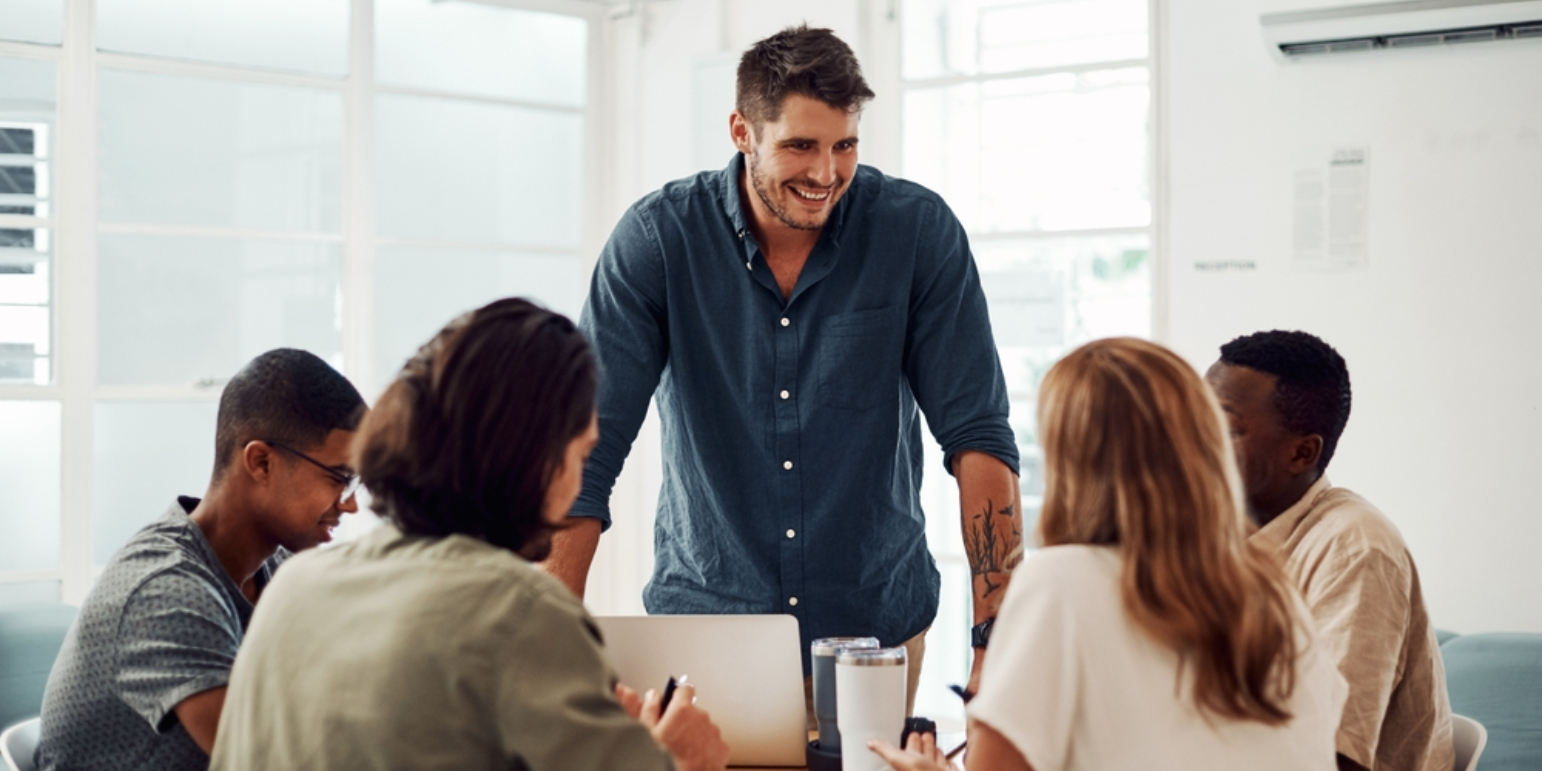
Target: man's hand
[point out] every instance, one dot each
(687, 733)
(921, 753)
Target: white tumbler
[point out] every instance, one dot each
(869, 703)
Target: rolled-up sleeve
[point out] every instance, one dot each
(176, 638)
(950, 354)
(624, 320)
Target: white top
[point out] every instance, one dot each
(1073, 683)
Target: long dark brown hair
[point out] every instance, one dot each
(469, 435)
(1136, 457)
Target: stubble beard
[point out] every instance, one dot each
(762, 185)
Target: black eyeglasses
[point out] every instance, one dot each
(349, 482)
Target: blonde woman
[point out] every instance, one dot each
(1146, 632)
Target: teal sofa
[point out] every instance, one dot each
(1496, 679)
(30, 637)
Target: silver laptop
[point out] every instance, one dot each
(748, 673)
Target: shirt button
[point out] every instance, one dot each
(787, 464)
(791, 533)
(792, 600)
(785, 394)
(785, 322)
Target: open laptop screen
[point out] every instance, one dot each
(748, 673)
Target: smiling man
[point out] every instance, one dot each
(794, 314)
(140, 681)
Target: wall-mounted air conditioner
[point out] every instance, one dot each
(1295, 28)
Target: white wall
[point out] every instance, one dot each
(1440, 331)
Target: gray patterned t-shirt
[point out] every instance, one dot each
(163, 623)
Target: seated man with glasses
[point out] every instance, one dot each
(140, 681)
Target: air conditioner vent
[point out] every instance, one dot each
(1529, 29)
(1295, 29)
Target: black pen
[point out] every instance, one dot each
(669, 693)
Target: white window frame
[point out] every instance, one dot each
(74, 225)
(940, 493)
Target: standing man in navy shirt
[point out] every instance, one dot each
(791, 313)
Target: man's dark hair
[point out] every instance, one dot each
(287, 396)
(799, 60)
(469, 436)
(1311, 394)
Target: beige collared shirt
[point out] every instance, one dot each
(1351, 564)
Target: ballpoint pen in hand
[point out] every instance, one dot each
(669, 693)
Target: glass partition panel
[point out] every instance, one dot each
(147, 453)
(1049, 295)
(418, 291)
(464, 171)
(496, 52)
(26, 330)
(1057, 152)
(194, 310)
(32, 21)
(300, 35)
(944, 38)
(30, 485)
(194, 151)
(27, 106)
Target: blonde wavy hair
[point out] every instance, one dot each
(1136, 457)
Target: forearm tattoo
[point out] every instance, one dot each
(988, 549)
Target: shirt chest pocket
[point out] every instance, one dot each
(859, 358)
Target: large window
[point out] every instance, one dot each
(1031, 118)
(186, 184)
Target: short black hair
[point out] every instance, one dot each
(469, 436)
(798, 60)
(287, 396)
(1312, 394)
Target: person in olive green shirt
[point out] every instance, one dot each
(433, 642)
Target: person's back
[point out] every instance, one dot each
(433, 642)
(419, 652)
(1075, 683)
(1148, 632)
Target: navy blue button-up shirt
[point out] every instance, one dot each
(791, 439)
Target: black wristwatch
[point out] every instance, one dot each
(980, 634)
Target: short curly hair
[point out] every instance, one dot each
(1312, 394)
(798, 60)
(287, 396)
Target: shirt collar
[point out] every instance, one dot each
(181, 513)
(733, 204)
(1279, 529)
